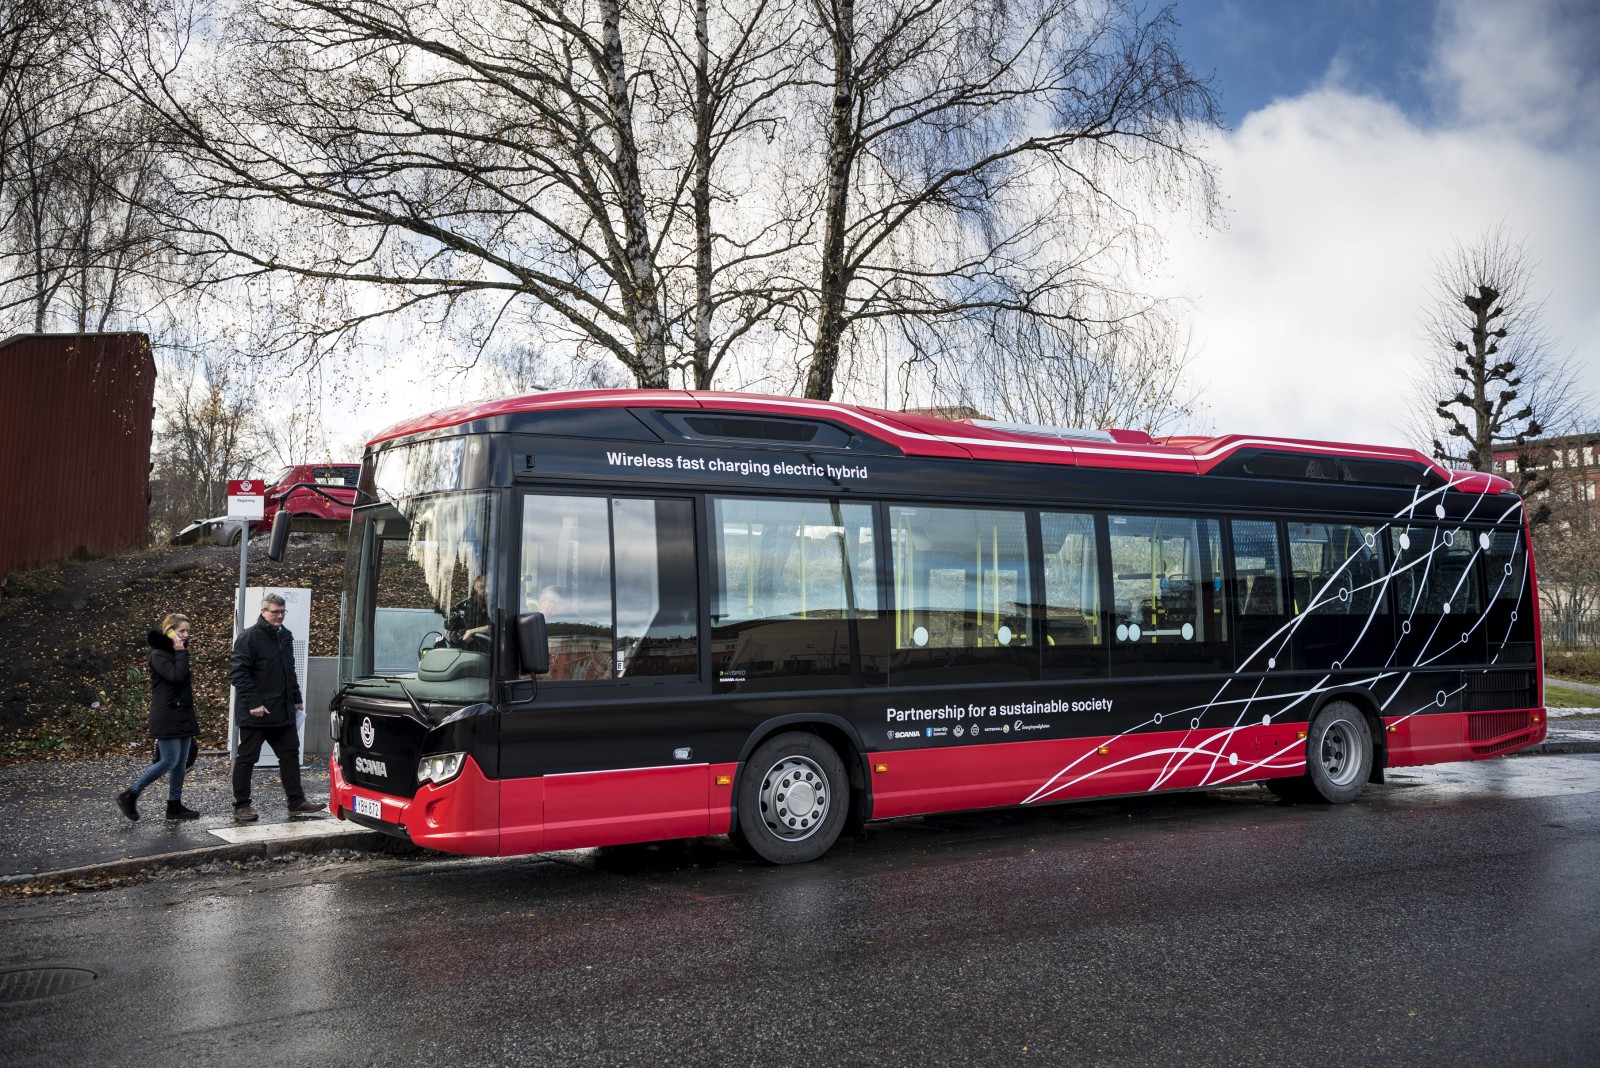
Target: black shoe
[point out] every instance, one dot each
(176, 811)
(306, 805)
(128, 803)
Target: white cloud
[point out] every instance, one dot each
(1526, 69)
(1307, 307)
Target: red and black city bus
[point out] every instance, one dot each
(592, 618)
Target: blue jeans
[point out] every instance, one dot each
(172, 759)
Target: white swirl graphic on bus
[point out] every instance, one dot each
(1242, 700)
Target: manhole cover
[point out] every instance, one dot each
(25, 984)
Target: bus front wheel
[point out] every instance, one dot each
(793, 799)
(1338, 758)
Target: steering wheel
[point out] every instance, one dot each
(427, 642)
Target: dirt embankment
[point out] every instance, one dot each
(73, 655)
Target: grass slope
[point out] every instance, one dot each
(73, 655)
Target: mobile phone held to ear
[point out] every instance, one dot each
(172, 633)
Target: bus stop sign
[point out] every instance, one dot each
(247, 498)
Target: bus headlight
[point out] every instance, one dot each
(439, 769)
(335, 725)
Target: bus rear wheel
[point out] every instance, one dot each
(793, 799)
(1339, 755)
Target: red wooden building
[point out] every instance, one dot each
(75, 425)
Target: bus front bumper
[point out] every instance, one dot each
(461, 816)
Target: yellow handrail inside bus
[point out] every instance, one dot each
(803, 554)
(994, 555)
(977, 545)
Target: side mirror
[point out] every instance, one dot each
(282, 521)
(533, 644)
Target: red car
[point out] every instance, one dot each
(337, 479)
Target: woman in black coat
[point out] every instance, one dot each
(172, 721)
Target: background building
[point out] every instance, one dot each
(1561, 476)
(75, 424)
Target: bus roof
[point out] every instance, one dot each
(925, 435)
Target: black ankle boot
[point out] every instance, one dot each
(128, 803)
(176, 811)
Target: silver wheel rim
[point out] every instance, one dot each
(1340, 753)
(794, 798)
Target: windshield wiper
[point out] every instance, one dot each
(416, 705)
(399, 680)
(360, 683)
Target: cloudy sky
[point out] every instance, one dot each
(1365, 138)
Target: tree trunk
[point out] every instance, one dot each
(641, 290)
(703, 370)
(1482, 455)
(835, 284)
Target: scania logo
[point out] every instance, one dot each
(369, 734)
(372, 767)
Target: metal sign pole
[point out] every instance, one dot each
(245, 502)
(238, 628)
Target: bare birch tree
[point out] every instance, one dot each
(78, 250)
(977, 151)
(534, 158)
(729, 92)
(672, 183)
(41, 96)
(1131, 375)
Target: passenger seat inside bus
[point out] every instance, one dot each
(1258, 595)
(1302, 591)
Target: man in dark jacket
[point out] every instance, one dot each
(266, 698)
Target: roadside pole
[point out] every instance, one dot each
(247, 502)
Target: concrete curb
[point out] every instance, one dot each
(356, 838)
(1559, 747)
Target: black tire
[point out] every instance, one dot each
(793, 799)
(1338, 753)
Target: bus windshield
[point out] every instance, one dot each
(418, 591)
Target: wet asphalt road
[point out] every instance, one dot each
(1447, 917)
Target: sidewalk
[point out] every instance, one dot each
(60, 824)
(59, 819)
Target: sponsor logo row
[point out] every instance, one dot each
(962, 730)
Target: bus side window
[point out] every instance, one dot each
(657, 588)
(1071, 580)
(1166, 572)
(576, 550)
(1257, 575)
(566, 574)
(1434, 571)
(1258, 592)
(1508, 622)
(793, 583)
(1338, 569)
(962, 594)
(1437, 575)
